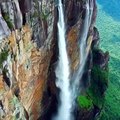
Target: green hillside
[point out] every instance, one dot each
(109, 28)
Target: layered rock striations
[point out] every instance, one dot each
(29, 54)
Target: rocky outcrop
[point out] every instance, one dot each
(94, 93)
(29, 53)
(26, 66)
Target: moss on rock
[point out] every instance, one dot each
(3, 57)
(8, 21)
(84, 102)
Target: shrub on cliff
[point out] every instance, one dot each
(84, 102)
(8, 21)
(3, 57)
(99, 83)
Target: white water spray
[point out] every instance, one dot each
(18, 15)
(4, 30)
(63, 72)
(67, 96)
(8, 65)
(83, 44)
(9, 68)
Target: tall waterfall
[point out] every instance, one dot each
(4, 30)
(83, 44)
(18, 15)
(68, 94)
(63, 71)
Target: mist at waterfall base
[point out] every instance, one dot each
(68, 92)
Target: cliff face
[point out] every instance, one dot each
(29, 53)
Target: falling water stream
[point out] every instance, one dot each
(83, 46)
(4, 30)
(68, 94)
(18, 15)
(63, 71)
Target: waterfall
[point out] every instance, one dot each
(68, 94)
(18, 15)
(9, 68)
(83, 46)
(4, 30)
(8, 65)
(63, 71)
